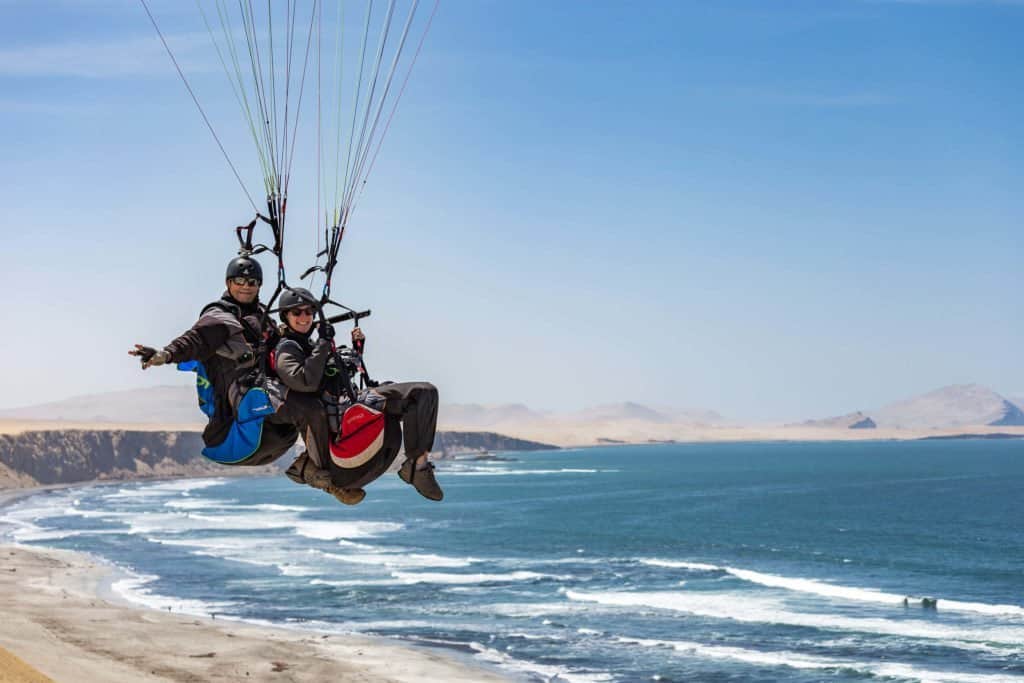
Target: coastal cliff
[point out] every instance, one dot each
(74, 455)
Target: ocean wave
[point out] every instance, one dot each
(677, 564)
(185, 521)
(29, 533)
(435, 577)
(133, 588)
(752, 610)
(167, 488)
(547, 671)
(830, 590)
(244, 549)
(403, 560)
(330, 531)
(797, 660)
(351, 583)
(230, 505)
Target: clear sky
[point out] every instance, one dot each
(773, 209)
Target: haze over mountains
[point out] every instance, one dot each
(960, 407)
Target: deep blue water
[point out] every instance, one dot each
(717, 562)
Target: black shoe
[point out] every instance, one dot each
(422, 480)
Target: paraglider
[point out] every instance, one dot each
(262, 386)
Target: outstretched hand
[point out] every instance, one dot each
(148, 356)
(357, 335)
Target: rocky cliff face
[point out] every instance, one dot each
(60, 457)
(68, 456)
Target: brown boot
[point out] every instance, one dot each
(347, 496)
(423, 480)
(304, 471)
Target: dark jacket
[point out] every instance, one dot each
(300, 362)
(226, 341)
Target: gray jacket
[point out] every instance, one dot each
(300, 366)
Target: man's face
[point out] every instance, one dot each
(244, 290)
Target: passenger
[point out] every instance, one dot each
(301, 365)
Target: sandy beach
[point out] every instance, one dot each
(56, 627)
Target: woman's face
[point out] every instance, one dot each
(300, 319)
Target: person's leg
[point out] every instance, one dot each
(416, 403)
(308, 414)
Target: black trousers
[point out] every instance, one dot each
(307, 414)
(415, 403)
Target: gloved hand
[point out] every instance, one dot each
(357, 336)
(149, 356)
(326, 330)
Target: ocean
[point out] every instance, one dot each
(674, 562)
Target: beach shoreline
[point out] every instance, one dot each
(62, 621)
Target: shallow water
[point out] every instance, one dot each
(712, 562)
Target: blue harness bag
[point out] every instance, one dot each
(247, 428)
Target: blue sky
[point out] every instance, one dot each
(772, 209)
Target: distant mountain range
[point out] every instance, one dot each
(949, 408)
(952, 407)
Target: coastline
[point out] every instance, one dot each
(61, 622)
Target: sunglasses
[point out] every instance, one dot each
(245, 281)
(305, 310)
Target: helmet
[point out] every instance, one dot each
(296, 296)
(244, 266)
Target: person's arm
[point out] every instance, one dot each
(298, 371)
(200, 342)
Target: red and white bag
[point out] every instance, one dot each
(360, 438)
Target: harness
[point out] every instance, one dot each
(250, 396)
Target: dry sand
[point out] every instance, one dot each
(54, 626)
(567, 433)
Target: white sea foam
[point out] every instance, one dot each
(797, 660)
(229, 505)
(133, 588)
(676, 564)
(547, 671)
(329, 531)
(31, 532)
(758, 610)
(401, 560)
(198, 503)
(146, 523)
(436, 577)
(167, 488)
(245, 549)
(349, 583)
(830, 590)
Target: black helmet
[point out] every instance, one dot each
(296, 296)
(244, 266)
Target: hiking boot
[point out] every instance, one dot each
(304, 471)
(422, 480)
(347, 496)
